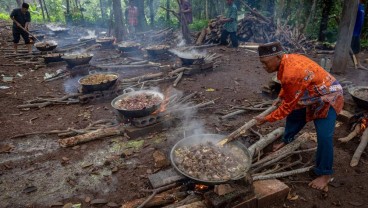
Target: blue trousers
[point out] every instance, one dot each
(325, 127)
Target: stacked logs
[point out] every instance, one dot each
(258, 29)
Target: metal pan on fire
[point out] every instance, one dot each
(200, 159)
(98, 82)
(360, 96)
(137, 104)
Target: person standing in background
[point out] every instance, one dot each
(131, 15)
(230, 24)
(186, 9)
(21, 18)
(355, 42)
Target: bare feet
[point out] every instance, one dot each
(278, 146)
(321, 182)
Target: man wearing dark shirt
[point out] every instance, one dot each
(21, 18)
(355, 43)
(186, 8)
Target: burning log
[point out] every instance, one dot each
(359, 151)
(354, 133)
(93, 135)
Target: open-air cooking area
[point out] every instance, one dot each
(153, 123)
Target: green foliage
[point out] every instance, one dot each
(198, 25)
(4, 16)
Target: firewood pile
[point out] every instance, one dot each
(257, 28)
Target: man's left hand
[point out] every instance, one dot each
(260, 120)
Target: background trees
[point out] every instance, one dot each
(318, 19)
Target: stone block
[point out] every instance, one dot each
(269, 192)
(345, 116)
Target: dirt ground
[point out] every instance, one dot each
(39, 173)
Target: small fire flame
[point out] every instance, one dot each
(200, 187)
(164, 104)
(363, 124)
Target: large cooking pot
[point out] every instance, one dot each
(105, 41)
(157, 50)
(191, 60)
(214, 138)
(128, 46)
(45, 46)
(136, 113)
(60, 31)
(54, 57)
(75, 60)
(359, 100)
(87, 88)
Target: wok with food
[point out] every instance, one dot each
(98, 82)
(77, 59)
(138, 103)
(46, 45)
(200, 158)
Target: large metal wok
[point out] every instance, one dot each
(157, 50)
(87, 88)
(136, 113)
(54, 57)
(191, 60)
(214, 138)
(75, 60)
(45, 46)
(128, 46)
(360, 101)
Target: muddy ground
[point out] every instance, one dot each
(38, 172)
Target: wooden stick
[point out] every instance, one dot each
(143, 77)
(282, 174)
(178, 79)
(97, 134)
(352, 134)
(156, 191)
(265, 141)
(245, 127)
(359, 151)
(284, 151)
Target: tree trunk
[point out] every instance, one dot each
(118, 16)
(102, 7)
(47, 12)
(167, 11)
(346, 28)
(142, 23)
(43, 13)
(184, 25)
(19, 3)
(206, 9)
(152, 13)
(310, 16)
(326, 9)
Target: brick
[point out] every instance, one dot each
(165, 177)
(268, 192)
(223, 189)
(249, 203)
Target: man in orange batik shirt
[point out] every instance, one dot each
(308, 93)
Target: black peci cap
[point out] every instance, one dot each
(270, 49)
(25, 5)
